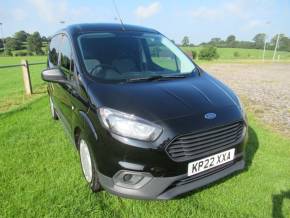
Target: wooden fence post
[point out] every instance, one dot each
(26, 77)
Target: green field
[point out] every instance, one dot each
(244, 54)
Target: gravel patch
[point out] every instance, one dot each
(264, 88)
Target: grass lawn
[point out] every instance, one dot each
(40, 176)
(11, 82)
(40, 173)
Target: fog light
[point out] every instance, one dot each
(131, 179)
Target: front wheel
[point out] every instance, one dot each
(88, 166)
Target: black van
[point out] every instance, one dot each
(148, 122)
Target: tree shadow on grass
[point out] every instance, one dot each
(277, 201)
(39, 92)
(20, 108)
(250, 150)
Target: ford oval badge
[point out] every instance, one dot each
(210, 116)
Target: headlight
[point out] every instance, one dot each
(128, 125)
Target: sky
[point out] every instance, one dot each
(200, 20)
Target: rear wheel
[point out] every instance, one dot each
(88, 165)
(52, 110)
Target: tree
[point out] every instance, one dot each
(273, 41)
(283, 44)
(21, 36)
(231, 41)
(185, 41)
(12, 44)
(236, 54)
(34, 43)
(44, 39)
(8, 52)
(193, 54)
(1, 44)
(215, 41)
(46, 48)
(208, 53)
(244, 44)
(259, 40)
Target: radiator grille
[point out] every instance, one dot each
(205, 143)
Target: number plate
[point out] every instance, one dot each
(210, 162)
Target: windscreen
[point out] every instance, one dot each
(119, 56)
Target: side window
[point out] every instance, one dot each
(66, 61)
(53, 51)
(163, 57)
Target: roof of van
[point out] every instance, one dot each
(88, 27)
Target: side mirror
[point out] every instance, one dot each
(53, 75)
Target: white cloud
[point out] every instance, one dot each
(246, 12)
(144, 12)
(18, 14)
(252, 24)
(255, 23)
(235, 8)
(207, 13)
(80, 11)
(54, 11)
(47, 10)
(2, 13)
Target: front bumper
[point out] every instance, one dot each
(113, 154)
(170, 187)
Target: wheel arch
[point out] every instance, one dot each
(77, 134)
(86, 126)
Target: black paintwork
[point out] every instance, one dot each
(95, 27)
(177, 105)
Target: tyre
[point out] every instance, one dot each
(88, 165)
(52, 110)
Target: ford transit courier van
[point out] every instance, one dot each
(147, 122)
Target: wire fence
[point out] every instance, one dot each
(20, 65)
(25, 73)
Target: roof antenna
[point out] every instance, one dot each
(118, 14)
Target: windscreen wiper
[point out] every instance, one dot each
(154, 78)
